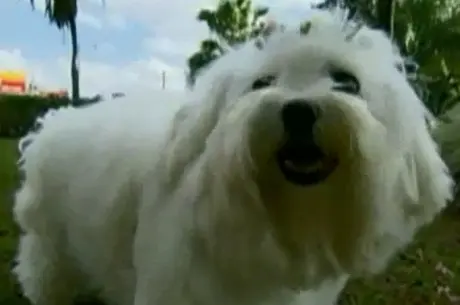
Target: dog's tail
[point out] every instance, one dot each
(447, 135)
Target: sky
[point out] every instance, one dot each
(124, 44)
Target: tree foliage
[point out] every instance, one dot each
(63, 14)
(231, 23)
(363, 8)
(429, 31)
(426, 30)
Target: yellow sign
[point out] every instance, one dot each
(12, 76)
(12, 81)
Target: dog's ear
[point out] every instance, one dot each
(421, 190)
(431, 178)
(194, 123)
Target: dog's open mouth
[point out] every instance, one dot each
(304, 163)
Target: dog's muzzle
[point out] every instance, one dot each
(300, 159)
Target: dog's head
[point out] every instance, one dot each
(323, 131)
(312, 101)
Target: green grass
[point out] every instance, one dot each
(430, 264)
(8, 232)
(419, 275)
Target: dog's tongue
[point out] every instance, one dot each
(301, 151)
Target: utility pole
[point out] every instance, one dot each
(163, 80)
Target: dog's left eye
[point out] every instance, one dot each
(263, 82)
(345, 82)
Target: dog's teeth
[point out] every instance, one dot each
(310, 168)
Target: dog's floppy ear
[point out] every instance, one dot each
(421, 190)
(193, 124)
(427, 183)
(421, 181)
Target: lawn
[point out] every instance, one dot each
(8, 233)
(426, 274)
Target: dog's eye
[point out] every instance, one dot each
(345, 82)
(411, 68)
(263, 82)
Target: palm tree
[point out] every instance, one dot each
(63, 14)
(231, 23)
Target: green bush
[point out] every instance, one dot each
(18, 113)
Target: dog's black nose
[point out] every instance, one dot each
(298, 116)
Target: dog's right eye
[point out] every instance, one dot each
(263, 82)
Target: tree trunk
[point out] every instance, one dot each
(385, 11)
(74, 69)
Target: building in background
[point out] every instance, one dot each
(12, 82)
(15, 82)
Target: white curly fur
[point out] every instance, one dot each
(173, 203)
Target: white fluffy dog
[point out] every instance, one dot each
(293, 167)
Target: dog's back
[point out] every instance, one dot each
(81, 172)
